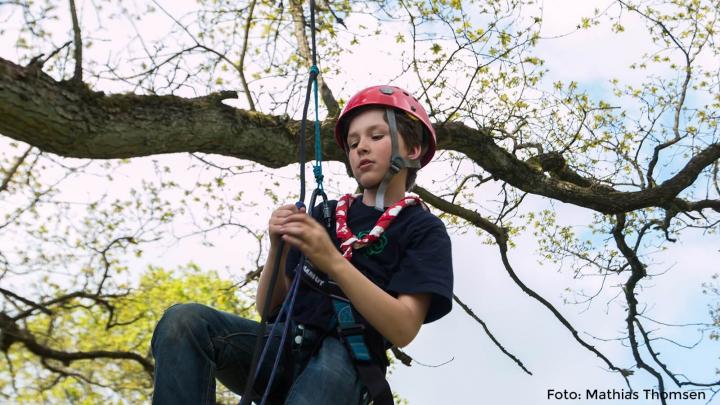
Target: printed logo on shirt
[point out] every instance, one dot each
(309, 270)
(376, 248)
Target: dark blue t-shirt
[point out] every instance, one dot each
(412, 256)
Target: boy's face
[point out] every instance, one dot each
(370, 147)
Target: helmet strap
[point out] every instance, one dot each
(397, 162)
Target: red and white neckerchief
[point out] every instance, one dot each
(348, 241)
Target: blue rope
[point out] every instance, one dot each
(292, 293)
(289, 301)
(317, 167)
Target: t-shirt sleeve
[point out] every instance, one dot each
(426, 267)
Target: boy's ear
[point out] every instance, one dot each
(414, 153)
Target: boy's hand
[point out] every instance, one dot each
(303, 232)
(277, 219)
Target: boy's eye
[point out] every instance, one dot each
(378, 136)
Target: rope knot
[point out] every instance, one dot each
(314, 70)
(317, 170)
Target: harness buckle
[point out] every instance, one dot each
(396, 164)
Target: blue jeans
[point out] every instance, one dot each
(194, 344)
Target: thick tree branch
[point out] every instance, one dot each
(637, 273)
(481, 148)
(75, 122)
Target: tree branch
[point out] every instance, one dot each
(655, 356)
(77, 76)
(11, 333)
(473, 217)
(76, 122)
(637, 273)
(10, 173)
(490, 335)
(327, 96)
(241, 64)
(25, 301)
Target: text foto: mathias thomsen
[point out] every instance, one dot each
(624, 394)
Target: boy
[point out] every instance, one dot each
(392, 264)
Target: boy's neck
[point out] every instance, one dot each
(393, 193)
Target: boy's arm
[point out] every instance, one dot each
(277, 219)
(398, 319)
(282, 285)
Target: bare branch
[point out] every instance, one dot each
(501, 239)
(464, 213)
(490, 335)
(299, 18)
(78, 75)
(10, 173)
(25, 301)
(655, 356)
(241, 64)
(503, 252)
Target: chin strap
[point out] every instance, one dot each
(397, 162)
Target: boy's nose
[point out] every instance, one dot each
(363, 144)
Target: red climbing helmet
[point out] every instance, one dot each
(388, 96)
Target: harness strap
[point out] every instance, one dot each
(374, 379)
(397, 162)
(352, 334)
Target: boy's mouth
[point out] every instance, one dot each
(365, 164)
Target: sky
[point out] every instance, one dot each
(457, 362)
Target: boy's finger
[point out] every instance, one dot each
(293, 241)
(297, 217)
